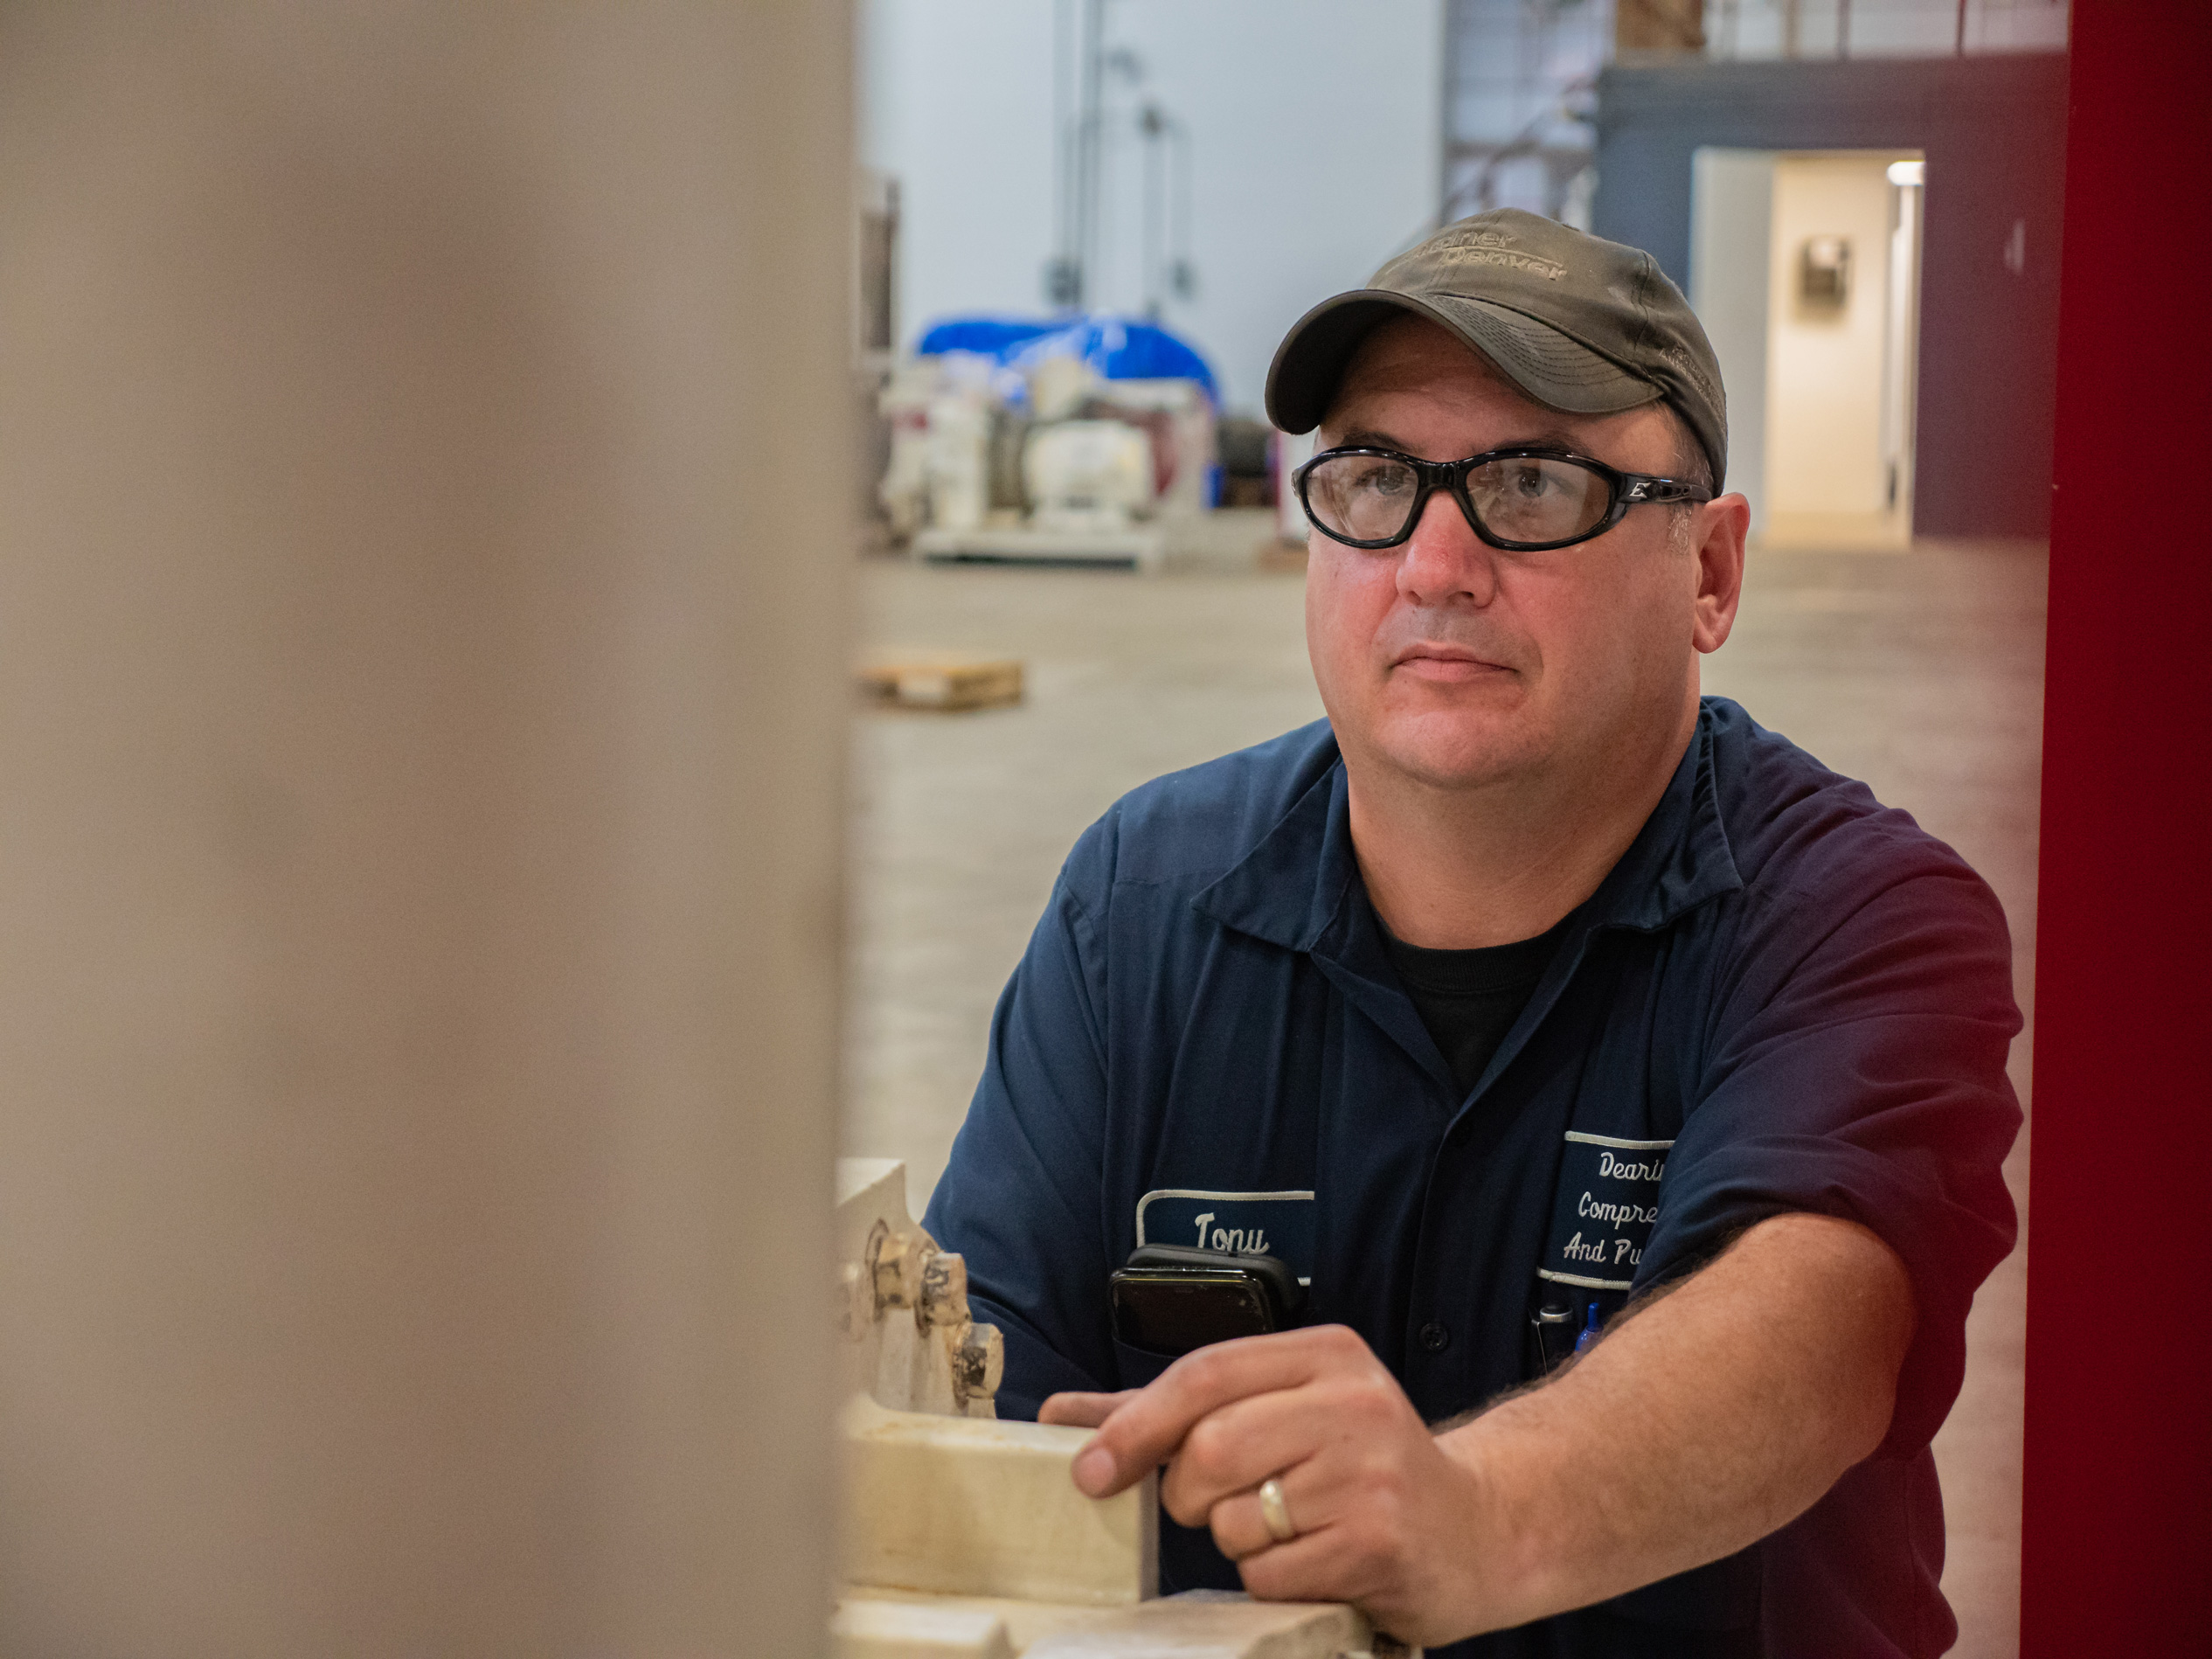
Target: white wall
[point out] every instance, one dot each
(1731, 233)
(956, 102)
(1315, 130)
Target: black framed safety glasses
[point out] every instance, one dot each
(1523, 501)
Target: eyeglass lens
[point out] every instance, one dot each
(1525, 498)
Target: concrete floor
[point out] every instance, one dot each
(1919, 672)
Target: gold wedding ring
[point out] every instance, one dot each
(1275, 1512)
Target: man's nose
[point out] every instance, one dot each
(1443, 559)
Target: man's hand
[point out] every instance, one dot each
(1384, 1517)
(1084, 1411)
(1710, 1416)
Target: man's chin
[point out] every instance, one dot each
(1454, 758)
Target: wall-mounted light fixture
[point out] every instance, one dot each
(1824, 272)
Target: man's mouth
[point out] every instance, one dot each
(1446, 664)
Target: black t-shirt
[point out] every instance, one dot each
(1468, 999)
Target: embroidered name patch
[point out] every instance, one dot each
(1244, 1224)
(1608, 1202)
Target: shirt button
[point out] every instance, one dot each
(1434, 1337)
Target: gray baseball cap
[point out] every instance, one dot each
(1580, 324)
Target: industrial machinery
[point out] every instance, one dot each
(1075, 440)
(1087, 476)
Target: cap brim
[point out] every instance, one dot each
(1550, 367)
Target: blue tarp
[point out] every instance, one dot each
(1116, 348)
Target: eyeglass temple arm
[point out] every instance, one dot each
(1634, 489)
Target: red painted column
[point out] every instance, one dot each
(2116, 1547)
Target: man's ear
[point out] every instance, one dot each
(1718, 538)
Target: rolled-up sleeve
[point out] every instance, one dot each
(1020, 1199)
(1855, 1067)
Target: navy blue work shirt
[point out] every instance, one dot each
(1783, 998)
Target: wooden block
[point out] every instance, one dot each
(968, 1506)
(1215, 1624)
(1199, 1624)
(864, 1627)
(1659, 26)
(1026, 1622)
(948, 683)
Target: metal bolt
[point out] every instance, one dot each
(944, 1296)
(979, 1364)
(898, 1263)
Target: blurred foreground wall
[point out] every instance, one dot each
(420, 451)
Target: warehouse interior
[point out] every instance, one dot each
(569, 576)
(1795, 169)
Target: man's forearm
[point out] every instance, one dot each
(1704, 1420)
(1708, 1419)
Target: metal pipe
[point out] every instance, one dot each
(1063, 158)
(1182, 279)
(1153, 127)
(1091, 152)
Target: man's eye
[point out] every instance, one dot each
(1531, 484)
(1383, 480)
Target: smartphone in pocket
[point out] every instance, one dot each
(1171, 1299)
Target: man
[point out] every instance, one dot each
(1530, 1000)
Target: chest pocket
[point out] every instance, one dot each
(1244, 1224)
(1603, 1211)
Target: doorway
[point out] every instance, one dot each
(1805, 268)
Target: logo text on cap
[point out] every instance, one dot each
(1493, 248)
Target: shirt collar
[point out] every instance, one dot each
(1294, 888)
(1291, 889)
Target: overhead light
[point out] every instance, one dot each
(1909, 173)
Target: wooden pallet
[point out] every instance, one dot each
(1143, 547)
(943, 683)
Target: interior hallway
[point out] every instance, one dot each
(1920, 673)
